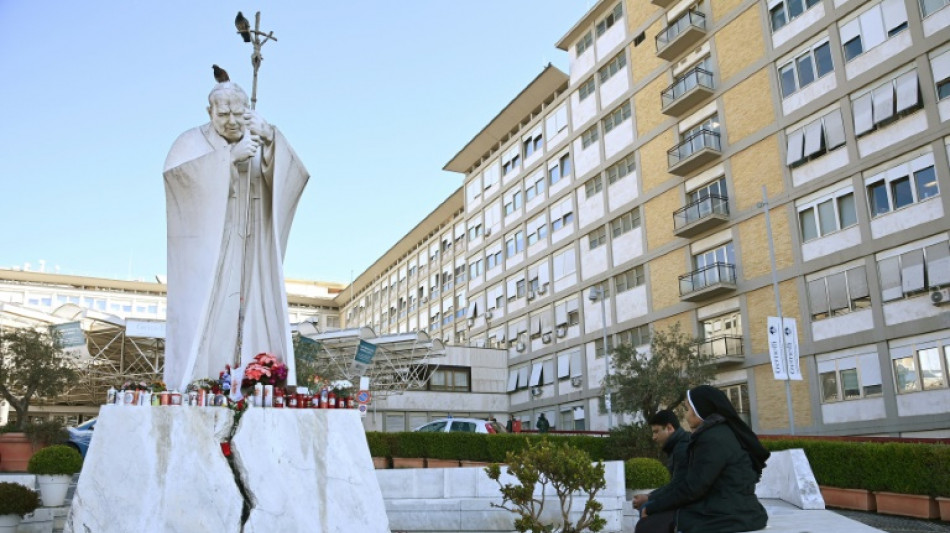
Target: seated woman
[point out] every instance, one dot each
(725, 462)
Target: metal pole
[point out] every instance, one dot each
(778, 307)
(603, 311)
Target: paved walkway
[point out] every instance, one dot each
(896, 524)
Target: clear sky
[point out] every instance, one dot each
(374, 96)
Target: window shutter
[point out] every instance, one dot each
(812, 138)
(870, 369)
(938, 264)
(560, 314)
(817, 299)
(834, 130)
(858, 283)
(837, 291)
(862, 114)
(872, 27)
(894, 13)
(563, 366)
(535, 375)
(941, 66)
(908, 95)
(890, 278)
(850, 31)
(883, 98)
(576, 368)
(912, 271)
(795, 144)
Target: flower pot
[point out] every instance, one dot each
(914, 505)
(944, 506)
(381, 463)
(409, 462)
(9, 523)
(15, 452)
(53, 489)
(474, 464)
(442, 463)
(857, 499)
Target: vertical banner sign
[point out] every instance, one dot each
(72, 339)
(364, 354)
(775, 348)
(790, 335)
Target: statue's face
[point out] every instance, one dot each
(227, 116)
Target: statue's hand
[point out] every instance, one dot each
(245, 148)
(258, 126)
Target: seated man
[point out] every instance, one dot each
(674, 440)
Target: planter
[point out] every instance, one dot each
(944, 505)
(409, 462)
(380, 463)
(9, 523)
(914, 505)
(856, 499)
(15, 452)
(53, 489)
(442, 463)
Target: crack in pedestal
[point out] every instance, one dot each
(248, 501)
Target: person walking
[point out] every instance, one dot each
(543, 424)
(674, 441)
(510, 424)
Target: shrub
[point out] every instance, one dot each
(47, 432)
(409, 444)
(645, 473)
(55, 461)
(17, 499)
(630, 440)
(379, 444)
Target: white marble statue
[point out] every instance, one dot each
(207, 173)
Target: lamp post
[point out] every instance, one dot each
(597, 293)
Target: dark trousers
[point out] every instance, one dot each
(657, 523)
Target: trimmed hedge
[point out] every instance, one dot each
(645, 473)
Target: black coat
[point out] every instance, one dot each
(677, 463)
(717, 494)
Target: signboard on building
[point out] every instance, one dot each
(146, 329)
(71, 338)
(783, 348)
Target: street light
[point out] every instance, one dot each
(597, 293)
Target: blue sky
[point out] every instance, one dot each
(374, 96)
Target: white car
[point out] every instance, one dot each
(464, 425)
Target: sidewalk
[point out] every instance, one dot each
(896, 524)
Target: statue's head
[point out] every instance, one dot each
(227, 104)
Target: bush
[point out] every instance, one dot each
(379, 444)
(409, 444)
(58, 460)
(645, 473)
(630, 440)
(17, 499)
(47, 432)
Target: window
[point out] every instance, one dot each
(637, 336)
(925, 369)
(559, 169)
(537, 229)
(586, 89)
(520, 287)
(599, 346)
(474, 232)
(800, 72)
(912, 272)
(783, 11)
(621, 169)
(639, 38)
(584, 43)
(448, 378)
(739, 398)
(629, 279)
(625, 222)
(514, 243)
(940, 66)
(493, 259)
(714, 189)
(612, 18)
(564, 263)
(534, 186)
(886, 103)
(872, 27)
(533, 144)
(511, 160)
(815, 139)
(475, 269)
(827, 214)
(614, 66)
(562, 215)
(513, 203)
(597, 237)
(839, 293)
(902, 185)
(590, 136)
(927, 7)
(617, 116)
(593, 186)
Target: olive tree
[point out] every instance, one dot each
(32, 364)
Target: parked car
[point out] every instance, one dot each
(464, 425)
(81, 435)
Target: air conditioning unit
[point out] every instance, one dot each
(546, 338)
(542, 289)
(530, 295)
(424, 300)
(576, 381)
(487, 232)
(940, 296)
(561, 331)
(520, 346)
(536, 391)
(488, 315)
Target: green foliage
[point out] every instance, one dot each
(55, 461)
(32, 363)
(410, 444)
(561, 466)
(379, 444)
(629, 440)
(47, 432)
(312, 361)
(17, 499)
(646, 382)
(892, 467)
(645, 473)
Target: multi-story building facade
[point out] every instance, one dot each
(643, 176)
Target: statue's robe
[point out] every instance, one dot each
(206, 202)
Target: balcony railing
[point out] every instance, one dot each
(687, 91)
(708, 281)
(722, 349)
(680, 34)
(695, 150)
(700, 215)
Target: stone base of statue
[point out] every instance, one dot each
(162, 469)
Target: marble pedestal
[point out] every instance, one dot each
(161, 469)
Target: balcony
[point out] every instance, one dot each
(681, 35)
(723, 350)
(695, 151)
(709, 281)
(701, 215)
(687, 91)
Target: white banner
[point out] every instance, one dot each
(790, 332)
(783, 333)
(775, 348)
(149, 329)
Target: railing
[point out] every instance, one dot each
(700, 209)
(722, 346)
(706, 277)
(690, 18)
(701, 139)
(695, 77)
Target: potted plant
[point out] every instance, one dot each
(643, 474)
(54, 468)
(15, 501)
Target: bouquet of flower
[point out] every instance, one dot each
(265, 369)
(134, 385)
(158, 386)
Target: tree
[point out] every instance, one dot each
(647, 382)
(32, 364)
(568, 470)
(310, 362)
